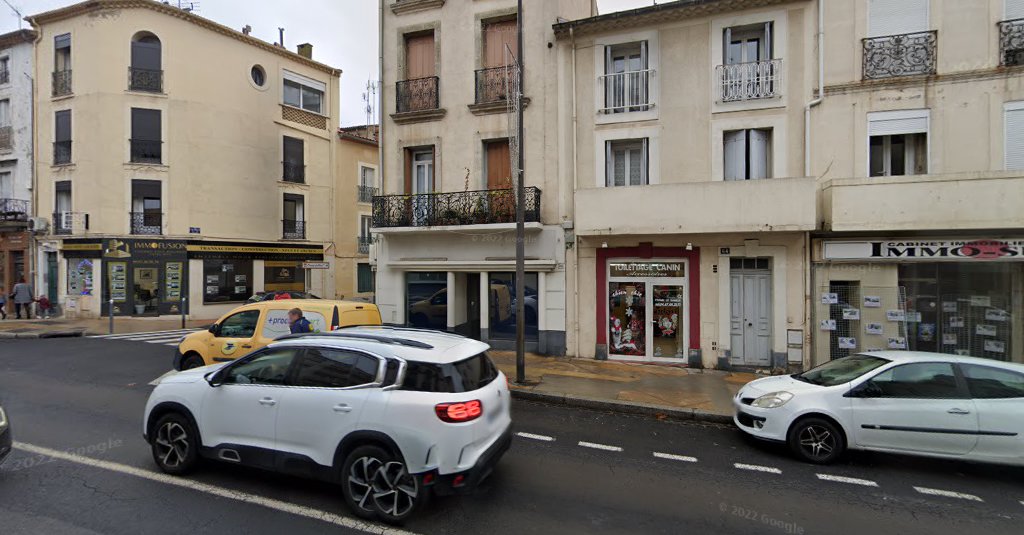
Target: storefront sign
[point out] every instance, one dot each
(646, 269)
(930, 250)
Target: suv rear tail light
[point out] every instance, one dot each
(459, 412)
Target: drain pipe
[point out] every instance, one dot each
(575, 179)
(807, 350)
(821, 88)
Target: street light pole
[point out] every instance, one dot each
(520, 216)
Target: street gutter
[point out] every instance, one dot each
(625, 407)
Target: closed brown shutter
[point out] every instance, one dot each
(408, 172)
(499, 165)
(419, 54)
(496, 36)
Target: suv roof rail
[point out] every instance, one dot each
(399, 328)
(359, 336)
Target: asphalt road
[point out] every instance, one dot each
(84, 398)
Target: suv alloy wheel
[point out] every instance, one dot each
(175, 444)
(376, 484)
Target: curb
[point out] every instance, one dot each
(49, 334)
(626, 407)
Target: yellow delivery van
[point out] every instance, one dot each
(253, 326)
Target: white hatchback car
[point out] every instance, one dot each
(389, 413)
(897, 401)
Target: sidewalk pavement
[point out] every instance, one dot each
(53, 328)
(661, 390)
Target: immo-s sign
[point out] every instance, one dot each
(927, 250)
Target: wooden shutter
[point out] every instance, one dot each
(1013, 133)
(892, 17)
(419, 55)
(407, 188)
(499, 164)
(496, 36)
(736, 155)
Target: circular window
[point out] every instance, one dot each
(259, 77)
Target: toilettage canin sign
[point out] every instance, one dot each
(925, 250)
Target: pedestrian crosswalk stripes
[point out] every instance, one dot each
(168, 338)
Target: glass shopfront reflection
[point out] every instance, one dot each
(647, 313)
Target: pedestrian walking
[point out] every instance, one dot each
(3, 303)
(21, 294)
(298, 323)
(44, 306)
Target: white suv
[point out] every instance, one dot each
(389, 413)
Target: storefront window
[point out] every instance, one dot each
(284, 276)
(964, 308)
(427, 299)
(668, 317)
(226, 281)
(502, 303)
(627, 318)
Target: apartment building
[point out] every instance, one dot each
(355, 186)
(15, 156)
(922, 237)
(444, 224)
(777, 183)
(178, 180)
(691, 209)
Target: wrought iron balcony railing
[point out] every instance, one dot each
(749, 81)
(146, 223)
(13, 210)
(148, 80)
(460, 208)
(6, 138)
(5, 76)
(146, 151)
(363, 243)
(61, 152)
(1011, 42)
(293, 230)
(906, 54)
(65, 223)
(293, 172)
(366, 193)
(492, 85)
(420, 94)
(61, 83)
(627, 91)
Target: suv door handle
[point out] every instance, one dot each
(342, 407)
(958, 411)
(268, 401)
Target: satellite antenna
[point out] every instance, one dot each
(187, 6)
(16, 13)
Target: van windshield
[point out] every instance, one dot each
(841, 370)
(467, 375)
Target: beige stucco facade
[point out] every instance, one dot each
(218, 174)
(356, 182)
(817, 227)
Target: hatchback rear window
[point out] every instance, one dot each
(467, 375)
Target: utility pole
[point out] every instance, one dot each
(520, 216)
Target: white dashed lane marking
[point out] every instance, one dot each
(850, 480)
(596, 446)
(758, 468)
(673, 457)
(531, 436)
(213, 490)
(948, 494)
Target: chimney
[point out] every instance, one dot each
(305, 50)
(247, 29)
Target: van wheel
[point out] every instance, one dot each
(192, 361)
(377, 484)
(175, 444)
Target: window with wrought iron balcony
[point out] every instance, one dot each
(6, 133)
(146, 217)
(418, 92)
(363, 243)
(906, 54)
(13, 210)
(495, 80)
(293, 167)
(293, 224)
(1011, 43)
(748, 72)
(61, 83)
(145, 73)
(5, 74)
(626, 79)
(146, 144)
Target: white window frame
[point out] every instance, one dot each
(653, 84)
(1014, 106)
(308, 83)
(888, 123)
(645, 164)
(779, 20)
(601, 137)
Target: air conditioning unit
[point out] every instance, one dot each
(38, 224)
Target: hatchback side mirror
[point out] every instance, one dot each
(866, 390)
(216, 378)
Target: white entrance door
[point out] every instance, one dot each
(422, 185)
(751, 316)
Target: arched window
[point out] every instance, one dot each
(146, 73)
